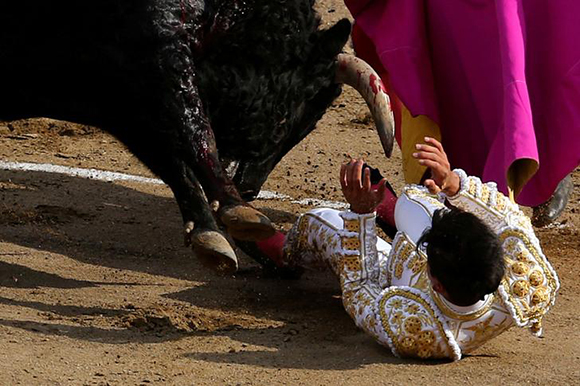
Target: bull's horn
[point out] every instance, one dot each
(359, 75)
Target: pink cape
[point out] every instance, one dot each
(500, 77)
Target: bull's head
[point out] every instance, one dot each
(272, 79)
(250, 175)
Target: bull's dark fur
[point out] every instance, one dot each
(170, 78)
(280, 85)
(288, 69)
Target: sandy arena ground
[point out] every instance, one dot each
(97, 288)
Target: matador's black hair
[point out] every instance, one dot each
(464, 254)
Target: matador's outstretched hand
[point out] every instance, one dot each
(357, 189)
(443, 179)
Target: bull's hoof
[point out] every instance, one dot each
(214, 251)
(549, 211)
(246, 223)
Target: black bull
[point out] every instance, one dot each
(176, 80)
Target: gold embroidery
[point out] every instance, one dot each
(499, 202)
(399, 240)
(350, 243)
(520, 288)
(536, 327)
(415, 193)
(371, 322)
(397, 318)
(423, 283)
(397, 303)
(407, 345)
(523, 255)
(303, 225)
(397, 248)
(523, 222)
(406, 334)
(525, 308)
(417, 263)
(312, 243)
(483, 332)
(472, 187)
(352, 225)
(406, 252)
(484, 193)
(412, 309)
(424, 353)
(426, 338)
(402, 250)
(412, 325)
(510, 246)
(350, 310)
(541, 295)
(536, 278)
(351, 263)
(519, 268)
(399, 270)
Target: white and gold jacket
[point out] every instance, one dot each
(386, 289)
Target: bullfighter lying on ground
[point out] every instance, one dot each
(464, 266)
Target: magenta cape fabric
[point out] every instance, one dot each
(500, 77)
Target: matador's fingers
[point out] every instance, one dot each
(381, 190)
(343, 176)
(435, 143)
(428, 155)
(432, 186)
(433, 165)
(358, 182)
(366, 180)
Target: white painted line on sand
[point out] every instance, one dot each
(103, 175)
(92, 174)
(321, 203)
(268, 195)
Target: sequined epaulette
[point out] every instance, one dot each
(530, 284)
(421, 195)
(488, 204)
(414, 326)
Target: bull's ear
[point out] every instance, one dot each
(332, 40)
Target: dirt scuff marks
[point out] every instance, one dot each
(164, 320)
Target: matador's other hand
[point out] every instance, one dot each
(356, 187)
(442, 178)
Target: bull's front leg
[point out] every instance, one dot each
(201, 231)
(156, 149)
(242, 221)
(181, 150)
(197, 144)
(191, 139)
